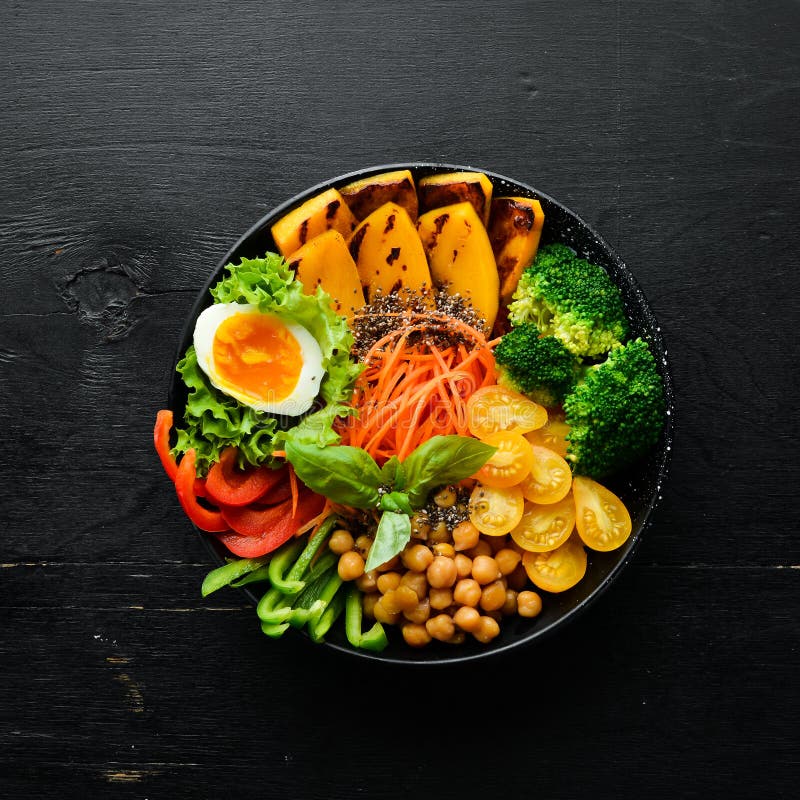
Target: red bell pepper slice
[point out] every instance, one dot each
(161, 440)
(228, 485)
(258, 532)
(203, 518)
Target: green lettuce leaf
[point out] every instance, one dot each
(213, 421)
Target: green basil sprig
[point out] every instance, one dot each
(350, 476)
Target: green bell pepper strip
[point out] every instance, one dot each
(279, 565)
(272, 607)
(329, 590)
(227, 574)
(275, 608)
(292, 583)
(375, 638)
(308, 603)
(322, 625)
(274, 631)
(256, 576)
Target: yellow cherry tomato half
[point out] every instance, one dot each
(549, 479)
(545, 527)
(495, 511)
(494, 408)
(553, 436)
(511, 462)
(559, 569)
(601, 517)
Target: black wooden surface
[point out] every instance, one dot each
(139, 140)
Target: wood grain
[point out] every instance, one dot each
(140, 140)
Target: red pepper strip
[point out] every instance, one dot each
(203, 518)
(257, 533)
(230, 486)
(161, 440)
(277, 495)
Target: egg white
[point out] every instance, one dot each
(302, 396)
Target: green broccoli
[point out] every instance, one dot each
(539, 367)
(616, 412)
(567, 297)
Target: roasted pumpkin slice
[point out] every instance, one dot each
(449, 188)
(460, 257)
(389, 254)
(366, 195)
(321, 213)
(325, 261)
(515, 226)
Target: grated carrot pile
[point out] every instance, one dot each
(416, 385)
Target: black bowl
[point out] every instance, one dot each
(639, 487)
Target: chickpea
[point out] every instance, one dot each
(487, 630)
(467, 592)
(457, 638)
(351, 566)
(463, 565)
(388, 581)
(507, 560)
(446, 497)
(405, 598)
(420, 525)
(442, 572)
(444, 549)
(441, 627)
(440, 599)
(497, 616)
(340, 542)
(368, 603)
(481, 549)
(510, 606)
(493, 596)
(392, 563)
(498, 543)
(420, 612)
(417, 581)
(417, 557)
(363, 544)
(368, 582)
(485, 570)
(382, 615)
(529, 604)
(415, 634)
(465, 536)
(518, 579)
(439, 534)
(467, 618)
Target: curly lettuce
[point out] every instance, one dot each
(213, 420)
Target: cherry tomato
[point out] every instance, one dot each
(545, 527)
(559, 569)
(511, 462)
(550, 477)
(494, 409)
(553, 436)
(496, 511)
(602, 519)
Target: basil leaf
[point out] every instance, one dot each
(394, 531)
(396, 501)
(442, 460)
(346, 475)
(393, 474)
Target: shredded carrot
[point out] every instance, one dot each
(313, 524)
(412, 390)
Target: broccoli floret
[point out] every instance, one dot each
(567, 297)
(539, 367)
(616, 412)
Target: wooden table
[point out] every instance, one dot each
(139, 140)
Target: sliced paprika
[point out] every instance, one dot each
(228, 485)
(163, 426)
(204, 518)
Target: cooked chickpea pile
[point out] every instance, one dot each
(448, 582)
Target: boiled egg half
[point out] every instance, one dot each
(263, 360)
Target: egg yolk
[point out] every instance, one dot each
(257, 355)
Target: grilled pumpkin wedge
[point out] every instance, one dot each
(448, 188)
(368, 194)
